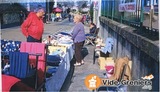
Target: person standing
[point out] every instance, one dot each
(21, 17)
(78, 36)
(69, 17)
(33, 26)
(52, 16)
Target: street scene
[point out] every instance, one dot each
(80, 45)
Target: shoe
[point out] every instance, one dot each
(77, 64)
(82, 63)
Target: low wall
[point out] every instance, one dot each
(143, 52)
(10, 19)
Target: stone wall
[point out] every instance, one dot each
(143, 52)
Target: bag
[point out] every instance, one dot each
(109, 69)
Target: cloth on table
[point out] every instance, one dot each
(64, 33)
(57, 50)
(57, 79)
(64, 44)
(59, 38)
(65, 40)
(51, 69)
(10, 45)
(33, 48)
(53, 60)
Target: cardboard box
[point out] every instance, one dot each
(105, 61)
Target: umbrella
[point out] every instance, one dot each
(57, 10)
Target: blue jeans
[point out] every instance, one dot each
(31, 39)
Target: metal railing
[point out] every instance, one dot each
(110, 9)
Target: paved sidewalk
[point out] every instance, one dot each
(80, 73)
(75, 79)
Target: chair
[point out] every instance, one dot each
(104, 51)
(91, 39)
(21, 69)
(40, 64)
(31, 57)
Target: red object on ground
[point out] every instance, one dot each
(57, 10)
(8, 82)
(109, 69)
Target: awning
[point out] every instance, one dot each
(57, 10)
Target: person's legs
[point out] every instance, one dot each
(77, 53)
(31, 39)
(69, 19)
(53, 19)
(82, 61)
(78, 56)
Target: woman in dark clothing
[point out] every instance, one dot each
(78, 36)
(92, 29)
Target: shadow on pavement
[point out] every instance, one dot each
(68, 79)
(70, 76)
